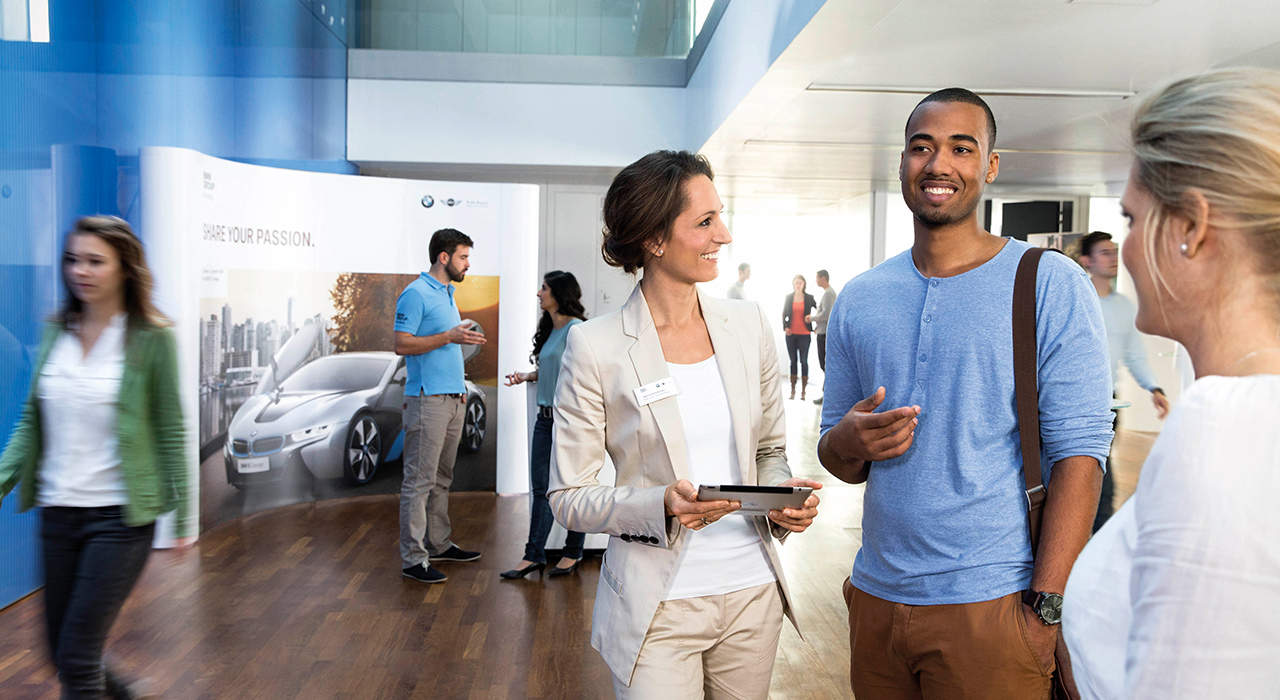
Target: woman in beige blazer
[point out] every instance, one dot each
(679, 389)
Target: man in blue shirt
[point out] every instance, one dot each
(1100, 257)
(946, 598)
(429, 333)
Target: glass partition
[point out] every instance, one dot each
(644, 28)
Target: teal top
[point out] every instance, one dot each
(549, 362)
(150, 434)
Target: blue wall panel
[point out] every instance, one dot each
(252, 80)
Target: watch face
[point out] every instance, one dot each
(1051, 608)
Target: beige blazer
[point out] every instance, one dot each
(596, 411)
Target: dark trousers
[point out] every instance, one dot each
(1106, 501)
(798, 351)
(540, 518)
(91, 562)
(822, 351)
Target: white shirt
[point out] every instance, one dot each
(1175, 597)
(78, 396)
(727, 555)
(1124, 343)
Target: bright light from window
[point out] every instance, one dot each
(38, 13)
(701, 8)
(21, 20)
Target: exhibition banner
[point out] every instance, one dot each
(284, 284)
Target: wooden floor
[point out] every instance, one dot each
(308, 602)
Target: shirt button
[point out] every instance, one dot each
(934, 283)
(625, 537)
(928, 319)
(923, 357)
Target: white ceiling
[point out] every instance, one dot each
(790, 140)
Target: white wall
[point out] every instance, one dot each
(418, 121)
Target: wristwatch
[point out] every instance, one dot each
(1047, 605)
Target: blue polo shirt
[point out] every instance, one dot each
(426, 307)
(947, 521)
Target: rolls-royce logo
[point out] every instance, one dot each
(428, 201)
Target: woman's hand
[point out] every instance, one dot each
(518, 378)
(787, 330)
(184, 543)
(798, 520)
(682, 502)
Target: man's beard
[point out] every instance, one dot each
(935, 217)
(455, 275)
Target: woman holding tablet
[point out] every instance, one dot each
(680, 389)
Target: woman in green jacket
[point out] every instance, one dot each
(99, 447)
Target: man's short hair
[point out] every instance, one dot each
(1088, 242)
(824, 274)
(958, 94)
(744, 267)
(447, 240)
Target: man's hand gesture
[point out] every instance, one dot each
(866, 435)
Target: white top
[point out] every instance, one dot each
(78, 396)
(727, 555)
(1175, 597)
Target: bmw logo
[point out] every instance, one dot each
(428, 200)
(451, 201)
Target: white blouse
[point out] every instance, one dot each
(78, 396)
(1177, 595)
(727, 555)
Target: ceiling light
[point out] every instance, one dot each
(992, 92)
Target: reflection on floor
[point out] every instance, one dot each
(308, 602)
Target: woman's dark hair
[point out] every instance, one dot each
(133, 267)
(644, 201)
(568, 295)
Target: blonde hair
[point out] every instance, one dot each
(117, 233)
(1216, 133)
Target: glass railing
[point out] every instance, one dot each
(634, 28)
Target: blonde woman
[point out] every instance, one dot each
(1173, 598)
(691, 595)
(99, 448)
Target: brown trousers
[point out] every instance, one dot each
(973, 651)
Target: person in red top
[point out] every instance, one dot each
(796, 309)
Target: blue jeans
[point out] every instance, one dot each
(91, 562)
(540, 518)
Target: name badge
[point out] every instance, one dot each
(656, 391)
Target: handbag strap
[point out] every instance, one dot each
(1025, 386)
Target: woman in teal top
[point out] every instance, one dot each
(99, 447)
(561, 301)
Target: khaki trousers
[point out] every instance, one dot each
(974, 651)
(432, 430)
(716, 646)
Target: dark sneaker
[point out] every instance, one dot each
(425, 574)
(818, 401)
(455, 554)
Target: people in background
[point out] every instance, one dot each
(798, 327)
(430, 332)
(947, 598)
(560, 299)
(691, 595)
(1100, 257)
(736, 290)
(100, 448)
(820, 319)
(1164, 602)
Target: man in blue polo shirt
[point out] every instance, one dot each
(430, 333)
(946, 598)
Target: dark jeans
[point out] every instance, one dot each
(822, 351)
(540, 518)
(1106, 505)
(798, 351)
(91, 562)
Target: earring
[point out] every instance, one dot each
(1184, 248)
(660, 251)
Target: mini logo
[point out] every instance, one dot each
(428, 201)
(451, 201)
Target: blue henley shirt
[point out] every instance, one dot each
(947, 521)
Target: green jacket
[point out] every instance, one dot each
(150, 432)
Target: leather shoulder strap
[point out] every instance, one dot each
(1026, 387)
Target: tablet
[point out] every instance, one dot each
(756, 500)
